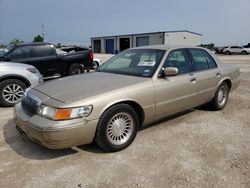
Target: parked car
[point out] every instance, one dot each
(132, 89)
(14, 79)
(219, 49)
(45, 58)
(236, 50)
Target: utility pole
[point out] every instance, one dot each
(43, 32)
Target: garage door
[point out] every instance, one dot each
(142, 41)
(109, 46)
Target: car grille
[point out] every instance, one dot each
(30, 106)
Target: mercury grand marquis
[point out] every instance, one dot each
(132, 89)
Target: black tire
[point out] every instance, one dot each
(245, 52)
(228, 53)
(95, 64)
(104, 132)
(14, 97)
(219, 102)
(75, 69)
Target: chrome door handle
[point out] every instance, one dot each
(218, 74)
(192, 79)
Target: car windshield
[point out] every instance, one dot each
(135, 62)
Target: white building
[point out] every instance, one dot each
(114, 44)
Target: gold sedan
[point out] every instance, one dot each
(134, 88)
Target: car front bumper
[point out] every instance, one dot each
(54, 134)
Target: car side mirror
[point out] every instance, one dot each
(171, 71)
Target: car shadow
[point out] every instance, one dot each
(32, 150)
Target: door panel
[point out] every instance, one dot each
(175, 94)
(207, 82)
(207, 75)
(46, 65)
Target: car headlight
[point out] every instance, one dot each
(64, 113)
(32, 70)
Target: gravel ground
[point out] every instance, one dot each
(199, 148)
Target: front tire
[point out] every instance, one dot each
(117, 128)
(221, 97)
(228, 53)
(12, 91)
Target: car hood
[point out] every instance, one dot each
(82, 86)
(12, 65)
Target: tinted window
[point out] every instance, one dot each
(200, 59)
(178, 59)
(20, 52)
(210, 60)
(41, 51)
(236, 47)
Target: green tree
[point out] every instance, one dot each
(38, 38)
(59, 45)
(15, 42)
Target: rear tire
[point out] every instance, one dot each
(117, 128)
(11, 92)
(95, 64)
(75, 69)
(221, 97)
(245, 53)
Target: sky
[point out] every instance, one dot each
(223, 22)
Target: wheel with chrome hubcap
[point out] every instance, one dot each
(221, 97)
(11, 92)
(117, 128)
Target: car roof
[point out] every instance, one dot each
(33, 43)
(165, 47)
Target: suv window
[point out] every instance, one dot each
(41, 51)
(236, 47)
(21, 52)
(178, 59)
(200, 59)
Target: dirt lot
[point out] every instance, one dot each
(200, 148)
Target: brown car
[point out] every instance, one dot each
(132, 89)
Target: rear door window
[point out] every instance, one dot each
(199, 59)
(210, 60)
(178, 59)
(42, 51)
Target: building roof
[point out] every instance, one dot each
(177, 31)
(164, 47)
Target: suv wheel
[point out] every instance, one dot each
(227, 53)
(245, 52)
(75, 69)
(221, 97)
(11, 92)
(117, 128)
